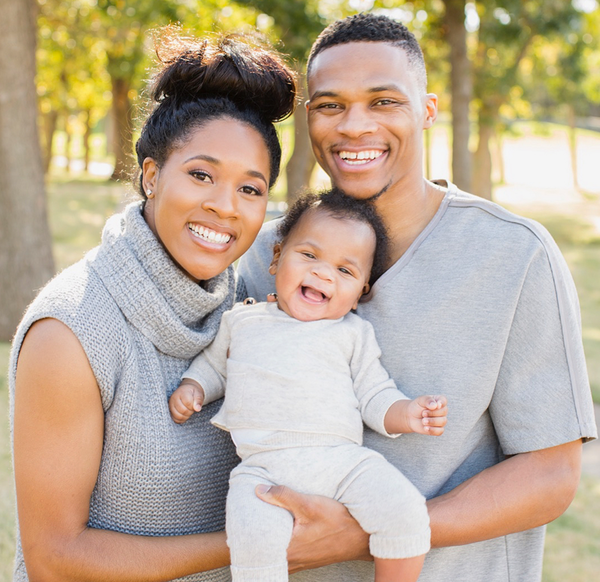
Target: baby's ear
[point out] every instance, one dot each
(275, 259)
(365, 290)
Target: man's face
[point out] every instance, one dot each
(366, 116)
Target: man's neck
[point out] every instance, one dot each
(406, 212)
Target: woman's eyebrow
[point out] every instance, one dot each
(216, 162)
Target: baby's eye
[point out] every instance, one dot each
(346, 271)
(308, 255)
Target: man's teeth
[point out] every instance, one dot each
(362, 157)
(209, 235)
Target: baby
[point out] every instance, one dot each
(302, 374)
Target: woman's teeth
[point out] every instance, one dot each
(209, 235)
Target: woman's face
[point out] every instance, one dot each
(208, 200)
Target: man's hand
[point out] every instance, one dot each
(324, 532)
(187, 399)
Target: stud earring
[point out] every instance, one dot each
(149, 194)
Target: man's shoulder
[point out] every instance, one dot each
(483, 209)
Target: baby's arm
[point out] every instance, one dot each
(187, 399)
(423, 415)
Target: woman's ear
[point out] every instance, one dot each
(275, 259)
(150, 175)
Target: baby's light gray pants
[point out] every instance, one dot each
(385, 503)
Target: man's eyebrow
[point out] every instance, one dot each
(318, 94)
(377, 89)
(383, 88)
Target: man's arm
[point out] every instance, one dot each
(524, 491)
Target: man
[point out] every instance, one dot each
(476, 304)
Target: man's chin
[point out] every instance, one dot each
(353, 191)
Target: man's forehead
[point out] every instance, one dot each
(372, 65)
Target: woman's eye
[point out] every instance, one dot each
(251, 190)
(201, 175)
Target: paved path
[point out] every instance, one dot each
(591, 452)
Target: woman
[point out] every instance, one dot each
(108, 487)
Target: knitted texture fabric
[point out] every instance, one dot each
(140, 320)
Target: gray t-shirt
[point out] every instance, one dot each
(481, 308)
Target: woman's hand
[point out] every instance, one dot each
(324, 531)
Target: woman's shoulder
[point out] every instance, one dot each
(77, 298)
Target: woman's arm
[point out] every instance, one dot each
(58, 435)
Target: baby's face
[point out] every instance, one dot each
(323, 267)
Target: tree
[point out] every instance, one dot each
(296, 23)
(26, 261)
(506, 33)
(461, 87)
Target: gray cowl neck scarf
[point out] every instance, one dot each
(180, 317)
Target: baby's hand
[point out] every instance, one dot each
(187, 399)
(428, 414)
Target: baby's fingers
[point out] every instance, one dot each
(435, 403)
(434, 425)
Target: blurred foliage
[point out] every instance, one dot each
(529, 57)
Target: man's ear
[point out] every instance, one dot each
(275, 259)
(431, 110)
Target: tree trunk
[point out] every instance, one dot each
(49, 121)
(573, 144)
(482, 170)
(302, 162)
(499, 161)
(122, 130)
(86, 140)
(461, 86)
(68, 140)
(26, 248)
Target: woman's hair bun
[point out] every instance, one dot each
(240, 67)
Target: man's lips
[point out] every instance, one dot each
(207, 234)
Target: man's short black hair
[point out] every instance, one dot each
(342, 207)
(368, 27)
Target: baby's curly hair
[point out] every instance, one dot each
(342, 207)
(369, 27)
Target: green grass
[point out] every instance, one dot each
(572, 541)
(77, 211)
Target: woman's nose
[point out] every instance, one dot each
(223, 202)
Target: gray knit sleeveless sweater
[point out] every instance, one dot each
(140, 320)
